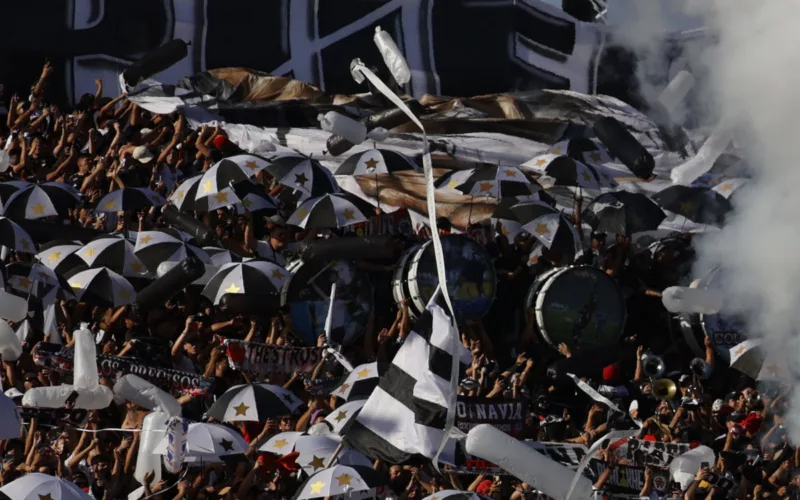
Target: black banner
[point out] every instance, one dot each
(629, 479)
(267, 358)
(567, 454)
(505, 414)
(321, 386)
(655, 453)
(113, 367)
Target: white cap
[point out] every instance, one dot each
(14, 393)
(634, 406)
(142, 154)
(717, 406)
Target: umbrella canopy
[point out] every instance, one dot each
(249, 163)
(9, 418)
(549, 226)
(127, 199)
(166, 245)
(254, 403)
(115, 252)
(221, 256)
(339, 417)
(254, 276)
(505, 221)
(37, 486)
(36, 201)
(314, 451)
(14, 237)
(566, 171)
(329, 211)
(728, 187)
(495, 182)
(8, 188)
(698, 204)
(748, 358)
(208, 442)
(220, 176)
(582, 149)
(339, 480)
(254, 198)
(376, 161)
(102, 287)
(189, 196)
(62, 259)
(36, 279)
(359, 383)
(302, 174)
(455, 495)
(623, 213)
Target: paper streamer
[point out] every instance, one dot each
(177, 428)
(329, 318)
(589, 390)
(359, 72)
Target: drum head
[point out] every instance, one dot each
(471, 277)
(306, 293)
(581, 307)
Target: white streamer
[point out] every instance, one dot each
(359, 72)
(590, 454)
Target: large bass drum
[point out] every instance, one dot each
(724, 330)
(307, 291)
(579, 306)
(471, 277)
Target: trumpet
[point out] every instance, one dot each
(652, 366)
(664, 389)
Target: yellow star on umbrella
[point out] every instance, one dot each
(25, 282)
(43, 275)
(241, 409)
(109, 205)
(344, 388)
(485, 187)
(38, 209)
(348, 214)
(363, 373)
(452, 184)
(277, 274)
(344, 479)
(89, 252)
(75, 284)
(726, 187)
(137, 268)
(54, 257)
(124, 295)
(252, 165)
(303, 213)
(207, 187)
(557, 150)
(540, 163)
(179, 195)
(587, 176)
(510, 173)
(504, 230)
(542, 229)
(221, 197)
(317, 463)
(45, 497)
(686, 206)
(280, 443)
(247, 202)
(341, 416)
(739, 351)
(317, 487)
(595, 156)
(25, 244)
(371, 163)
(232, 289)
(145, 239)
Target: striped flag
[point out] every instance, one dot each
(404, 418)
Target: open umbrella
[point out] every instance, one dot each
(8, 188)
(249, 163)
(221, 256)
(566, 171)
(254, 403)
(339, 417)
(549, 226)
(330, 211)
(220, 176)
(582, 149)
(36, 279)
(359, 383)
(208, 443)
(36, 201)
(189, 196)
(375, 161)
(10, 421)
(506, 221)
(314, 451)
(127, 199)
(455, 495)
(698, 204)
(339, 480)
(14, 237)
(60, 257)
(102, 287)
(729, 186)
(37, 486)
(623, 213)
(166, 245)
(254, 276)
(494, 182)
(308, 177)
(115, 252)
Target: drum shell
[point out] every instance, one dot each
(351, 248)
(190, 225)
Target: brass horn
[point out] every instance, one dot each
(664, 388)
(652, 366)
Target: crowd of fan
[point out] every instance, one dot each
(106, 143)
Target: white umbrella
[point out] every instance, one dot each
(337, 480)
(315, 451)
(9, 418)
(36, 486)
(747, 357)
(339, 417)
(454, 495)
(208, 442)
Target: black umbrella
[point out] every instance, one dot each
(8, 188)
(14, 237)
(166, 245)
(129, 199)
(308, 177)
(115, 252)
(623, 213)
(567, 171)
(495, 182)
(220, 176)
(698, 204)
(549, 226)
(36, 279)
(253, 276)
(42, 200)
(61, 257)
(376, 161)
(253, 402)
(330, 211)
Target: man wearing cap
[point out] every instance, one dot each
(274, 245)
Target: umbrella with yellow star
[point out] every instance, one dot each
(331, 211)
(553, 230)
(249, 163)
(698, 204)
(38, 486)
(339, 417)
(191, 194)
(729, 186)
(222, 175)
(114, 252)
(102, 287)
(376, 161)
(8, 188)
(36, 279)
(490, 181)
(59, 255)
(166, 245)
(503, 219)
(624, 213)
(359, 383)
(253, 276)
(129, 198)
(340, 480)
(208, 443)
(14, 237)
(455, 495)
(254, 403)
(566, 171)
(222, 256)
(307, 177)
(37, 201)
(582, 149)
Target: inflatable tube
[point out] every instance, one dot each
(142, 393)
(176, 444)
(387, 120)
(155, 61)
(250, 304)
(704, 160)
(84, 376)
(624, 146)
(56, 396)
(536, 469)
(173, 281)
(392, 56)
(190, 225)
(10, 345)
(42, 231)
(676, 91)
(679, 299)
(12, 308)
(684, 467)
(353, 131)
(154, 427)
(352, 248)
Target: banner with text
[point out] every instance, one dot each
(265, 358)
(505, 414)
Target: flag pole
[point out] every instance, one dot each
(335, 455)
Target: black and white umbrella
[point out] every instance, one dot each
(14, 237)
(250, 164)
(102, 287)
(115, 252)
(220, 176)
(254, 277)
(8, 188)
(36, 279)
(549, 226)
(729, 186)
(566, 171)
(126, 199)
(42, 200)
(254, 198)
(254, 403)
(38, 486)
(359, 383)
(582, 149)
(306, 176)
(698, 204)
(376, 161)
(455, 495)
(623, 213)
(190, 196)
(330, 211)
(61, 257)
(166, 245)
(314, 451)
(339, 480)
(339, 417)
(505, 221)
(208, 443)
(221, 256)
(494, 182)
